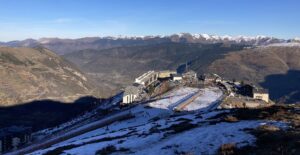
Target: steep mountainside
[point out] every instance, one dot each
(64, 46)
(274, 67)
(29, 74)
(118, 67)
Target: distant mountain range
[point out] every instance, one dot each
(64, 46)
(114, 62)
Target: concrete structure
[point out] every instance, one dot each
(147, 78)
(176, 77)
(130, 94)
(261, 94)
(166, 74)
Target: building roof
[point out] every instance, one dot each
(176, 75)
(260, 91)
(168, 71)
(145, 76)
(133, 89)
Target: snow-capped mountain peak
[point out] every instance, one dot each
(119, 40)
(297, 39)
(238, 39)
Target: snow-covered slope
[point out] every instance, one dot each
(290, 44)
(208, 97)
(298, 39)
(157, 129)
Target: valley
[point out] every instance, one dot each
(118, 66)
(252, 65)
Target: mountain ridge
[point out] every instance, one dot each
(64, 46)
(194, 35)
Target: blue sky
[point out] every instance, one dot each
(20, 19)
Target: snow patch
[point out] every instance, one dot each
(208, 97)
(284, 45)
(173, 98)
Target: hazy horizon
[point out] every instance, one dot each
(132, 36)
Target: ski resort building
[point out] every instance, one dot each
(166, 74)
(261, 94)
(131, 93)
(147, 78)
(176, 77)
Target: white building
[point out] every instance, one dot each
(130, 94)
(166, 74)
(176, 77)
(147, 78)
(261, 94)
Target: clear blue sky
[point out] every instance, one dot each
(20, 19)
